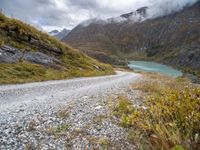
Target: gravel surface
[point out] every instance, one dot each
(66, 114)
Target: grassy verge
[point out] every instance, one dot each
(169, 118)
(27, 72)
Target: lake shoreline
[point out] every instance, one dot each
(148, 66)
(180, 72)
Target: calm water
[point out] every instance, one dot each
(154, 67)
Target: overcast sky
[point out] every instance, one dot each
(57, 14)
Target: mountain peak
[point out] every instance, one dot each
(53, 32)
(60, 35)
(141, 11)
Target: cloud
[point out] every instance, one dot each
(165, 7)
(57, 14)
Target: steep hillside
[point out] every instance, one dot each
(94, 40)
(172, 39)
(27, 54)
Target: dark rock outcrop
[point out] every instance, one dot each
(9, 54)
(45, 46)
(41, 58)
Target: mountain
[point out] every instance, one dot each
(54, 32)
(27, 55)
(60, 35)
(172, 39)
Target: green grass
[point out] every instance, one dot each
(15, 33)
(170, 118)
(27, 72)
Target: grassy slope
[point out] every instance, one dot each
(75, 63)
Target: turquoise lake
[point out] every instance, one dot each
(154, 67)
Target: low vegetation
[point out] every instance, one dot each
(27, 72)
(104, 143)
(26, 38)
(169, 117)
(58, 131)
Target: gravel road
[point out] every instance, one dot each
(66, 114)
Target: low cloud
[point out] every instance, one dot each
(165, 7)
(57, 14)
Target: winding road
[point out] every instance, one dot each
(22, 102)
(13, 96)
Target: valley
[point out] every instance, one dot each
(100, 75)
(172, 39)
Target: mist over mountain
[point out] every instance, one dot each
(59, 14)
(152, 9)
(165, 7)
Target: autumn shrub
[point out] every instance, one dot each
(168, 119)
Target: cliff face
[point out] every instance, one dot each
(172, 39)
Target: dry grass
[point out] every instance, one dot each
(63, 113)
(171, 118)
(155, 83)
(104, 143)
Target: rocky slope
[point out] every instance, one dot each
(173, 39)
(27, 54)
